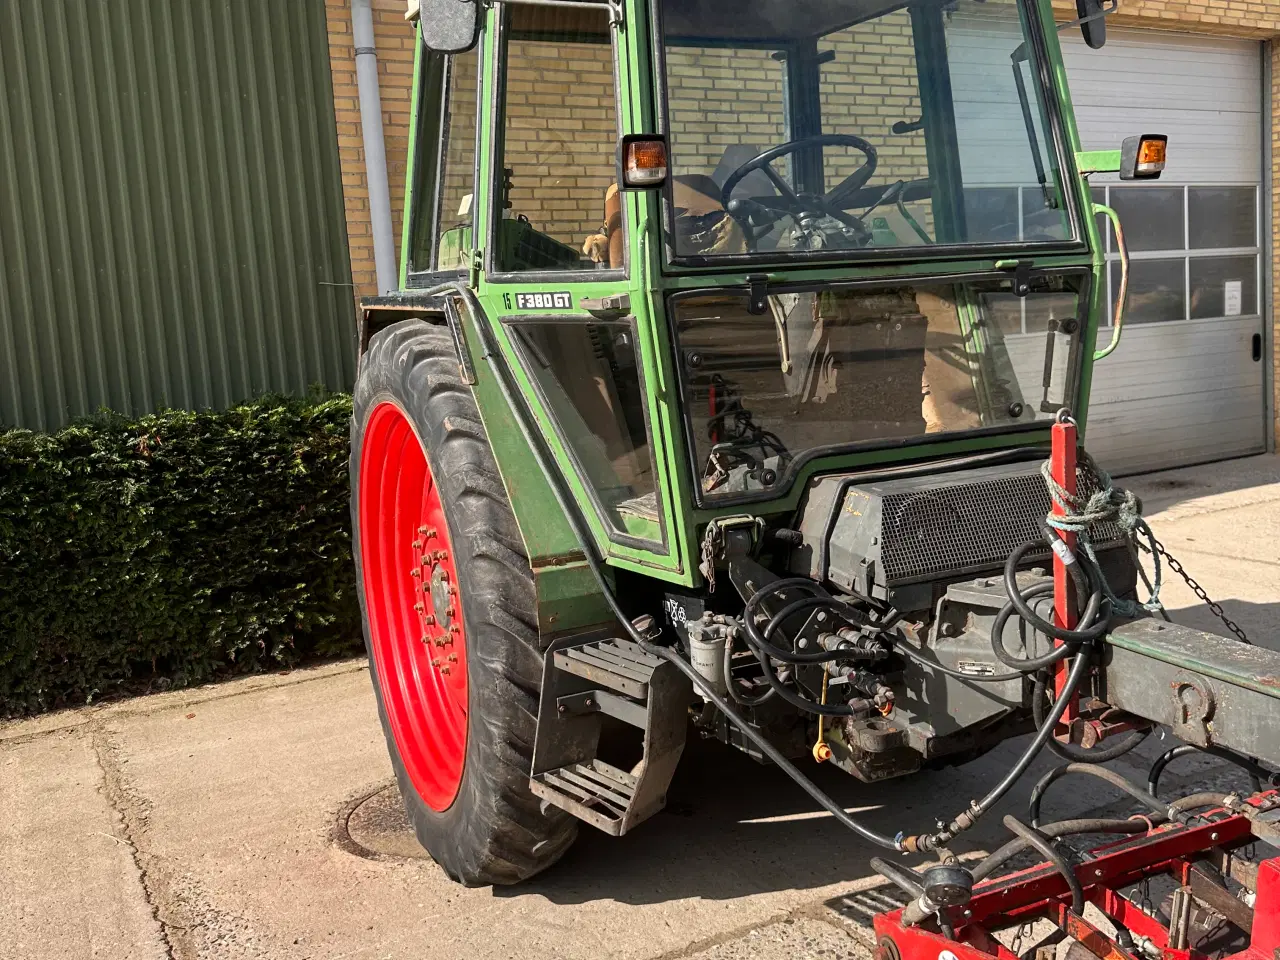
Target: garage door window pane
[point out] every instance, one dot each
(991, 213)
(1157, 290)
(1222, 217)
(1152, 217)
(1223, 287)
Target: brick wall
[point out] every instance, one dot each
(394, 39)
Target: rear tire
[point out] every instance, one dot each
(450, 613)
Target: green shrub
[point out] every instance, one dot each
(172, 549)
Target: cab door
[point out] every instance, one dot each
(556, 273)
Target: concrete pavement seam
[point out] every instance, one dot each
(131, 809)
(728, 936)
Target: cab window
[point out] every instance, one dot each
(444, 169)
(558, 207)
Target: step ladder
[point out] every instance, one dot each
(583, 681)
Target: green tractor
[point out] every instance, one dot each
(730, 339)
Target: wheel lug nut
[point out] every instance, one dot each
(429, 531)
(415, 572)
(417, 544)
(453, 658)
(419, 606)
(445, 670)
(453, 628)
(429, 620)
(435, 661)
(440, 641)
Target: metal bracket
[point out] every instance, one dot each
(1021, 274)
(758, 294)
(719, 540)
(1193, 706)
(1104, 12)
(607, 308)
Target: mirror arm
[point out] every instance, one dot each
(1122, 295)
(1105, 11)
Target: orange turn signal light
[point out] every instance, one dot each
(1143, 158)
(643, 162)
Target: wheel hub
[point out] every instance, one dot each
(440, 597)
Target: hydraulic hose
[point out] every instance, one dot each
(1257, 773)
(1027, 664)
(1196, 800)
(780, 688)
(537, 443)
(1069, 751)
(1102, 773)
(1039, 842)
(1086, 634)
(790, 610)
(1061, 828)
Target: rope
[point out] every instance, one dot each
(1110, 504)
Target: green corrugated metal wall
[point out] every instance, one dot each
(171, 217)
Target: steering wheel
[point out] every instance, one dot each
(802, 206)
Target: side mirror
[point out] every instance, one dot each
(448, 26)
(1093, 25)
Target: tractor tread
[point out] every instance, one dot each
(496, 831)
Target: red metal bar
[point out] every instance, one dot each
(1062, 464)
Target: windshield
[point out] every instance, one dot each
(802, 126)
(820, 369)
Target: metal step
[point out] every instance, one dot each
(619, 664)
(598, 793)
(584, 679)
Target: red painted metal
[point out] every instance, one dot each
(1041, 892)
(416, 634)
(1062, 464)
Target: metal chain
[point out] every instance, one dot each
(1198, 590)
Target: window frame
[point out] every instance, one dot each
(1059, 149)
(796, 469)
(497, 122)
(615, 535)
(431, 275)
(1185, 252)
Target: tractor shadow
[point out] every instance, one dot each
(1261, 621)
(1169, 488)
(733, 828)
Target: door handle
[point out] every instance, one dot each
(1257, 348)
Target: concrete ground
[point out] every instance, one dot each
(257, 818)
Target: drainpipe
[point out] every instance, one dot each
(375, 150)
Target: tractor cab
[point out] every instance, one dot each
(727, 246)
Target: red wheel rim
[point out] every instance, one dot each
(415, 615)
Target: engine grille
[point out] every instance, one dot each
(951, 528)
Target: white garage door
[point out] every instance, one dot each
(1187, 383)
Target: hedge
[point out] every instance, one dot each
(142, 554)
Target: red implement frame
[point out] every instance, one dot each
(1042, 892)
